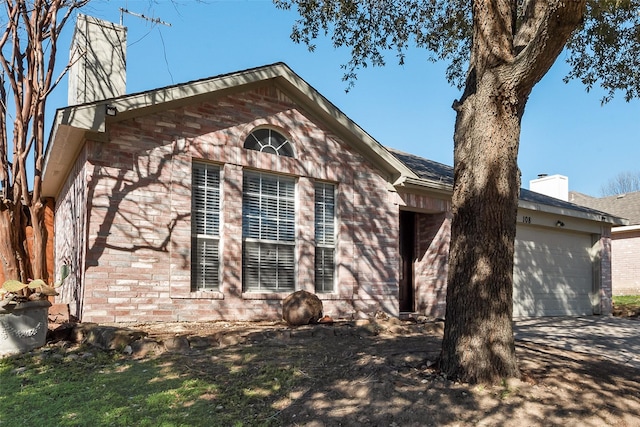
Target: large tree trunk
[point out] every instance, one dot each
(508, 58)
(13, 254)
(38, 244)
(478, 343)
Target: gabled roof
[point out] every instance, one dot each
(430, 171)
(622, 205)
(73, 123)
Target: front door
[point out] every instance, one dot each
(407, 245)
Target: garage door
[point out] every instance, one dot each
(553, 273)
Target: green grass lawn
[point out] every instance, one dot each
(94, 388)
(627, 300)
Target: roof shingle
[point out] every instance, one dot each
(434, 171)
(622, 205)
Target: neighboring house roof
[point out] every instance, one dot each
(73, 123)
(622, 205)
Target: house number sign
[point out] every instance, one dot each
(526, 219)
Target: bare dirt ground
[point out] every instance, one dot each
(380, 373)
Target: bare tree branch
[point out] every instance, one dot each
(625, 182)
(28, 50)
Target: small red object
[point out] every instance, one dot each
(326, 319)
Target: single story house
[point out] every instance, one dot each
(625, 239)
(215, 199)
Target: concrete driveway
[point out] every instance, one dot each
(610, 337)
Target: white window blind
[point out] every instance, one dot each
(325, 233)
(268, 228)
(205, 227)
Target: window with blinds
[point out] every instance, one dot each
(325, 219)
(205, 227)
(268, 229)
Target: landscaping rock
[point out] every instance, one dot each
(105, 337)
(178, 343)
(230, 339)
(301, 308)
(198, 343)
(145, 346)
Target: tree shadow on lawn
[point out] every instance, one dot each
(322, 375)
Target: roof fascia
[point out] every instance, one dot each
(591, 216)
(93, 118)
(59, 160)
(625, 229)
(424, 185)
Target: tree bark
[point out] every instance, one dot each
(28, 47)
(13, 254)
(506, 62)
(39, 242)
(478, 344)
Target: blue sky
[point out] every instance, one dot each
(564, 131)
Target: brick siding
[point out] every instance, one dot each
(138, 229)
(431, 264)
(625, 263)
(123, 218)
(69, 242)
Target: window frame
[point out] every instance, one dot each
(325, 243)
(255, 142)
(204, 279)
(268, 223)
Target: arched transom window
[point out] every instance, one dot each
(269, 141)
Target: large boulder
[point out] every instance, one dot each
(301, 308)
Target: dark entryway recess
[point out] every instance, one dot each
(407, 251)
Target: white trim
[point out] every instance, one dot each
(591, 216)
(72, 123)
(624, 229)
